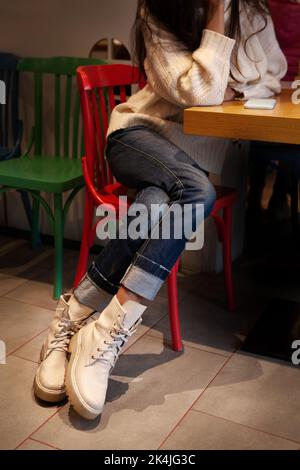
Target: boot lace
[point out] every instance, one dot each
(109, 350)
(62, 336)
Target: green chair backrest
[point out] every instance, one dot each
(66, 109)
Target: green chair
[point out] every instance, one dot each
(38, 172)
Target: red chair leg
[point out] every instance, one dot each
(224, 234)
(85, 243)
(227, 257)
(173, 309)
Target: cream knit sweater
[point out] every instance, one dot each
(178, 79)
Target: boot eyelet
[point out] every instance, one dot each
(93, 357)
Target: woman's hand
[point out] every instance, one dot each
(216, 16)
(230, 94)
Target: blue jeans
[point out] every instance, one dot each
(162, 173)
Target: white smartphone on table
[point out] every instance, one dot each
(260, 103)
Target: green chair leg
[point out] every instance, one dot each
(5, 210)
(58, 245)
(35, 234)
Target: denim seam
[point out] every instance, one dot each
(152, 157)
(178, 183)
(150, 261)
(162, 165)
(103, 277)
(145, 244)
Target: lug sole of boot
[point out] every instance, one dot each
(82, 408)
(45, 394)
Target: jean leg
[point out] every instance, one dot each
(155, 258)
(141, 158)
(106, 272)
(152, 158)
(113, 261)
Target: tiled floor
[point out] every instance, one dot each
(212, 396)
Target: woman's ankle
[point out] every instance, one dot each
(124, 295)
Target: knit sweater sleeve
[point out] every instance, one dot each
(184, 78)
(269, 84)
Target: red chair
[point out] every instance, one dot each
(101, 88)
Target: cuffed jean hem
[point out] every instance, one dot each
(141, 282)
(150, 266)
(88, 293)
(101, 281)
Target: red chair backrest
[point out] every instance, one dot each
(101, 88)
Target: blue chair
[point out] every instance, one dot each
(11, 127)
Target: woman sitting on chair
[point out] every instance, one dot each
(186, 51)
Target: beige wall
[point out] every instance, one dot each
(62, 27)
(57, 27)
(71, 27)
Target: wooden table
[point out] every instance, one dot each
(232, 120)
(279, 325)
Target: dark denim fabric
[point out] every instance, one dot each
(162, 173)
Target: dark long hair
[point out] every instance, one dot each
(186, 19)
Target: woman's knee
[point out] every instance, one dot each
(209, 196)
(152, 195)
(203, 192)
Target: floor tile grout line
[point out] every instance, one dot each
(27, 303)
(52, 416)
(43, 269)
(246, 426)
(12, 353)
(15, 288)
(195, 401)
(26, 342)
(44, 443)
(17, 274)
(25, 359)
(11, 245)
(57, 411)
(207, 350)
(169, 343)
(11, 290)
(147, 331)
(40, 426)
